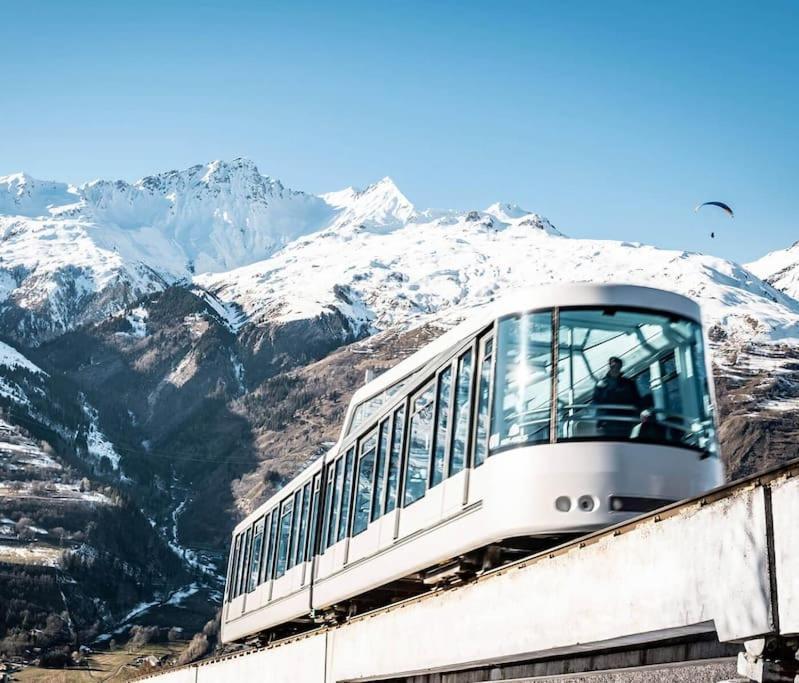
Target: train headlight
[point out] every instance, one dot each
(563, 503)
(585, 503)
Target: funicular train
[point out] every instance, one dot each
(549, 415)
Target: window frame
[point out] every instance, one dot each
(345, 511)
(471, 395)
(436, 437)
(361, 456)
(428, 385)
(488, 335)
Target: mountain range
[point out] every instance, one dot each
(189, 341)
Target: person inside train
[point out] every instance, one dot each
(616, 396)
(649, 428)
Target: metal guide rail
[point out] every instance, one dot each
(725, 563)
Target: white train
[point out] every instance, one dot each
(550, 415)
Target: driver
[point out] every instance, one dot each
(620, 392)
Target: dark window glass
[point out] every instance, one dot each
(295, 528)
(234, 568)
(255, 565)
(457, 459)
(302, 539)
(272, 544)
(245, 564)
(442, 426)
(284, 539)
(331, 474)
(339, 481)
(363, 483)
(346, 495)
(483, 394)
(421, 436)
(314, 523)
(380, 476)
(394, 460)
(522, 396)
(264, 574)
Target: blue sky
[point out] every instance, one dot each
(613, 119)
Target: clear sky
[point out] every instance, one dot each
(613, 119)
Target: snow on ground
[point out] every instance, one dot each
(13, 359)
(99, 446)
(138, 321)
(30, 554)
(52, 490)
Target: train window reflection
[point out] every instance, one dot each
(524, 381)
(397, 429)
(256, 554)
(421, 434)
(442, 425)
(380, 475)
(461, 410)
(483, 394)
(632, 375)
(285, 538)
(346, 495)
(363, 483)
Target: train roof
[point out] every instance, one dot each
(522, 300)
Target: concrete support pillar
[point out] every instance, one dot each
(770, 660)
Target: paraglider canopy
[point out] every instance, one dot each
(721, 205)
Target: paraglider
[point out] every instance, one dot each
(724, 207)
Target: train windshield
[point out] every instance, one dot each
(619, 374)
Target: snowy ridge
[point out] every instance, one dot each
(258, 252)
(780, 268)
(442, 267)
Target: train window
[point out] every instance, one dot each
(313, 525)
(334, 510)
(392, 484)
(331, 468)
(381, 463)
(363, 483)
(284, 538)
(245, 561)
(295, 528)
(420, 440)
(255, 565)
(522, 404)
(483, 396)
(460, 431)
(270, 573)
(346, 494)
(234, 568)
(302, 537)
(442, 425)
(264, 575)
(628, 374)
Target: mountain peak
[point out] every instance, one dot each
(504, 211)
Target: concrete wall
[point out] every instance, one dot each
(785, 511)
(703, 570)
(700, 568)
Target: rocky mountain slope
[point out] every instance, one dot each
(190, 340)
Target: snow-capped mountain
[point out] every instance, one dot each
(429, 268)
(780, 268)
(70, 255)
